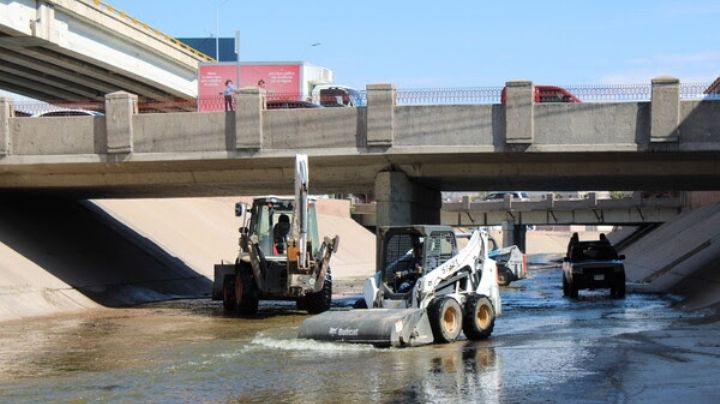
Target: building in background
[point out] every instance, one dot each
(208, 46)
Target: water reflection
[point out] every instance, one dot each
(188, 351)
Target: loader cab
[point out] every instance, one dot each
(408, 253)
(271, 219)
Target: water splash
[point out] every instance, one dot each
(306, 345)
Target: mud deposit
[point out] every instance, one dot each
(545, 348)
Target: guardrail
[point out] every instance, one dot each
(404, 97)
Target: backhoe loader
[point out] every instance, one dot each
(281, 256)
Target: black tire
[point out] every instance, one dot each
(246, 296)
(445, 317)
(618, 289)
(503, 278)
(479, 318)
(566, 287)
(319, 302)
(229, 293)
(573, 290)
(360, 304)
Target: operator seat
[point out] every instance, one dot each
(280, 233)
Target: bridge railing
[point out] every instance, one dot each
(593, 93)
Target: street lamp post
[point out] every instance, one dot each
(217, 30)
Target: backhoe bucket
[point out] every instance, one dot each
(379, 327)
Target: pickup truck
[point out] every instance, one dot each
(593, 265)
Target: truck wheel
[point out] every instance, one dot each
(319, 302)
(229, 293)
(479, 318)
(573, 290)
(445, 317)
(246, 300)
(566, 289)
(618, 290)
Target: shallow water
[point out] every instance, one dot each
(190, 351)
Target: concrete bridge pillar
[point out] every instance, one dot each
(6, 112)
(515, 234)
(381, 100)
(119, 110)
(403, 202)
(519, 112)
(249, 106)
(665, 109)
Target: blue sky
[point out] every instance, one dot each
(418, 44)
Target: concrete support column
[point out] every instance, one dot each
(519, 111)
(514, 234)
(665, 109)
(119, 110)
(249, 106)
(520, 236)
(380, 114)
(6, 112)
(402, 202)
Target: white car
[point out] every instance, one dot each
(66, 112)
(515, 195)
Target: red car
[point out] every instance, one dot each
(545, 94)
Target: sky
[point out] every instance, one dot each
(432, 44)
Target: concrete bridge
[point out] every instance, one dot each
(404, 155)
(632, 211)
(83, 49)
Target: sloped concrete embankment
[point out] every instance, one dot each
(59, 256)
(681, 256)
(204, 231)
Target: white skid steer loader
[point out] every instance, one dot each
(424, 291)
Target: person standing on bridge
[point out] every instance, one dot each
(228, 95)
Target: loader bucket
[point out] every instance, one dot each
(379, 327)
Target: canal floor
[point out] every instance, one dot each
(545, 348)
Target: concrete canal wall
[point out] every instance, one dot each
(681, 256)
(61, 256)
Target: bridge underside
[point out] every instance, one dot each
(80, 50)
(212, 174)
(51, 74)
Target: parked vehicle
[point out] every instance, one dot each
(545, 93)
(424, 291)
(66, 112)
(593, 265)
(290, 104)
(333, 95)
(511, 264)
(515, 195)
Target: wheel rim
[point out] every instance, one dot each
(483, 317)
(450, 321)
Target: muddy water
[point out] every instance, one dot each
(189, 351)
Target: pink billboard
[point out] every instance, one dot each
(283, 80)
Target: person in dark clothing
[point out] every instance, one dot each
(280, 233)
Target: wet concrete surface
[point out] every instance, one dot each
(545, 348)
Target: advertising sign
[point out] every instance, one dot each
(283, 80)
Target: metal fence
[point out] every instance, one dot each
(449, 96)
(404, 97)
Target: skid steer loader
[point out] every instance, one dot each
(281, 256)
(424, 291)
